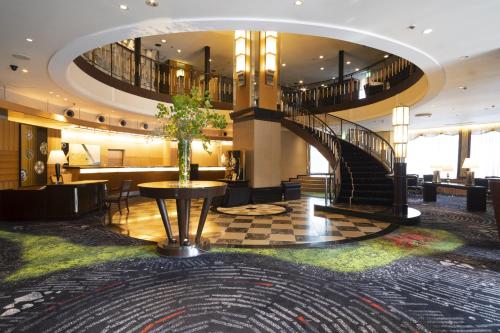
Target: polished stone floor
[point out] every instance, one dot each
(297, 226)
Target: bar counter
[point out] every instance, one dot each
(115, 175)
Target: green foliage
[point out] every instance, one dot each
(188, 116)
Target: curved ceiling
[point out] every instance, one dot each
(299, 65)
(61, 30)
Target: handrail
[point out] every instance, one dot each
(369, 81)
(117, 60)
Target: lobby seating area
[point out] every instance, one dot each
(265, 166)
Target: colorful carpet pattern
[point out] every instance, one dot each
(440, 276)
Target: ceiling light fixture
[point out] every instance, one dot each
(386, 56)
(163, 40)
(283, 65)
(179, 50)
(462, 87)
(356, 69)
(321, 57)
(152, 3)
(123, 7)
(411, 27)
(210, 60)
(322, 69)
(427, 31)
(65, 99)
(299, 3)
(28, 39)
(348, 62)
(24, 70)
(51, 92)
(301, 81)
(333, 77)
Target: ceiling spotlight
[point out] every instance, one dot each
(463, 87)
(65, 99)
(123, 7)
(28, 39)
(152, 3)
(411, 27)
(24, 70)
(323, 85)
(299, 3)
(386, 56)
(210, 59)
(464, 57)
(348, 62)
(163, 40)
(58, 96)
(179, 50)
(51, 92)
(322, 69)
(356, 69)
(301, 81)
(321, 57)
(333, 77)
(427, 31)
(283, 65)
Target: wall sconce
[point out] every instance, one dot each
(240, 53)
(271, 52)
(400, 122)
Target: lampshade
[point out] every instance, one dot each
(470, 164)
(401, 115)
(56, 157)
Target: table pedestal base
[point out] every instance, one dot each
(185, 251)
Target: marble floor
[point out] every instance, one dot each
(299, 225)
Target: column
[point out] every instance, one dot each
(137, 62)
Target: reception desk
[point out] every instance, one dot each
(115, 175)
(52, 202)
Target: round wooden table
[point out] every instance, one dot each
(182, 193)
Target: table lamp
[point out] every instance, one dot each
(436, 174)
(57, 157)
(470, 165)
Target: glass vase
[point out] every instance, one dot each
(184, 159)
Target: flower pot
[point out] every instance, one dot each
(184, 159)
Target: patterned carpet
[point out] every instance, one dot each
(440, 276)
(293, 224)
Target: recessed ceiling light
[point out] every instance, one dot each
(24, 70)
(179, 50)
(123, 7)
(283, 65)
(152, 3)
(386, 56)
(427, 31)
(356, 69)
(158, 45)
(348, 62)
(301, 81)
(333, 78)
(299, 2)
(58, 96)
(462, 87)
(411, 27)
(65, 99)
(322, 69)
(51, 92)
(163, 40)
(323, 85)
(28, 39)
(321, 57)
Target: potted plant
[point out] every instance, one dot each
(184, 121)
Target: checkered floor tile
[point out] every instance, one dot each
(300, 226)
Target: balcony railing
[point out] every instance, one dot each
(362, 84)
(117, 60)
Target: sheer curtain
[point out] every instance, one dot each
(427, 153)
(485, 150)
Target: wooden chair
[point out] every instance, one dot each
(118, 197)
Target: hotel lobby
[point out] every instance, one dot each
(227, 166)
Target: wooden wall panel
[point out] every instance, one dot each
(9, 154)
(54, 143)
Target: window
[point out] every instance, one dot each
(429, 153)
(485, 148)
(317, 163)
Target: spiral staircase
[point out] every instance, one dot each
(359, 158)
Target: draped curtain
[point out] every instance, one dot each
(429, 153)
(485, 151)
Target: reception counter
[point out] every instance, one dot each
(115, 175)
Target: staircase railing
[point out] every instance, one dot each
(328, 138)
